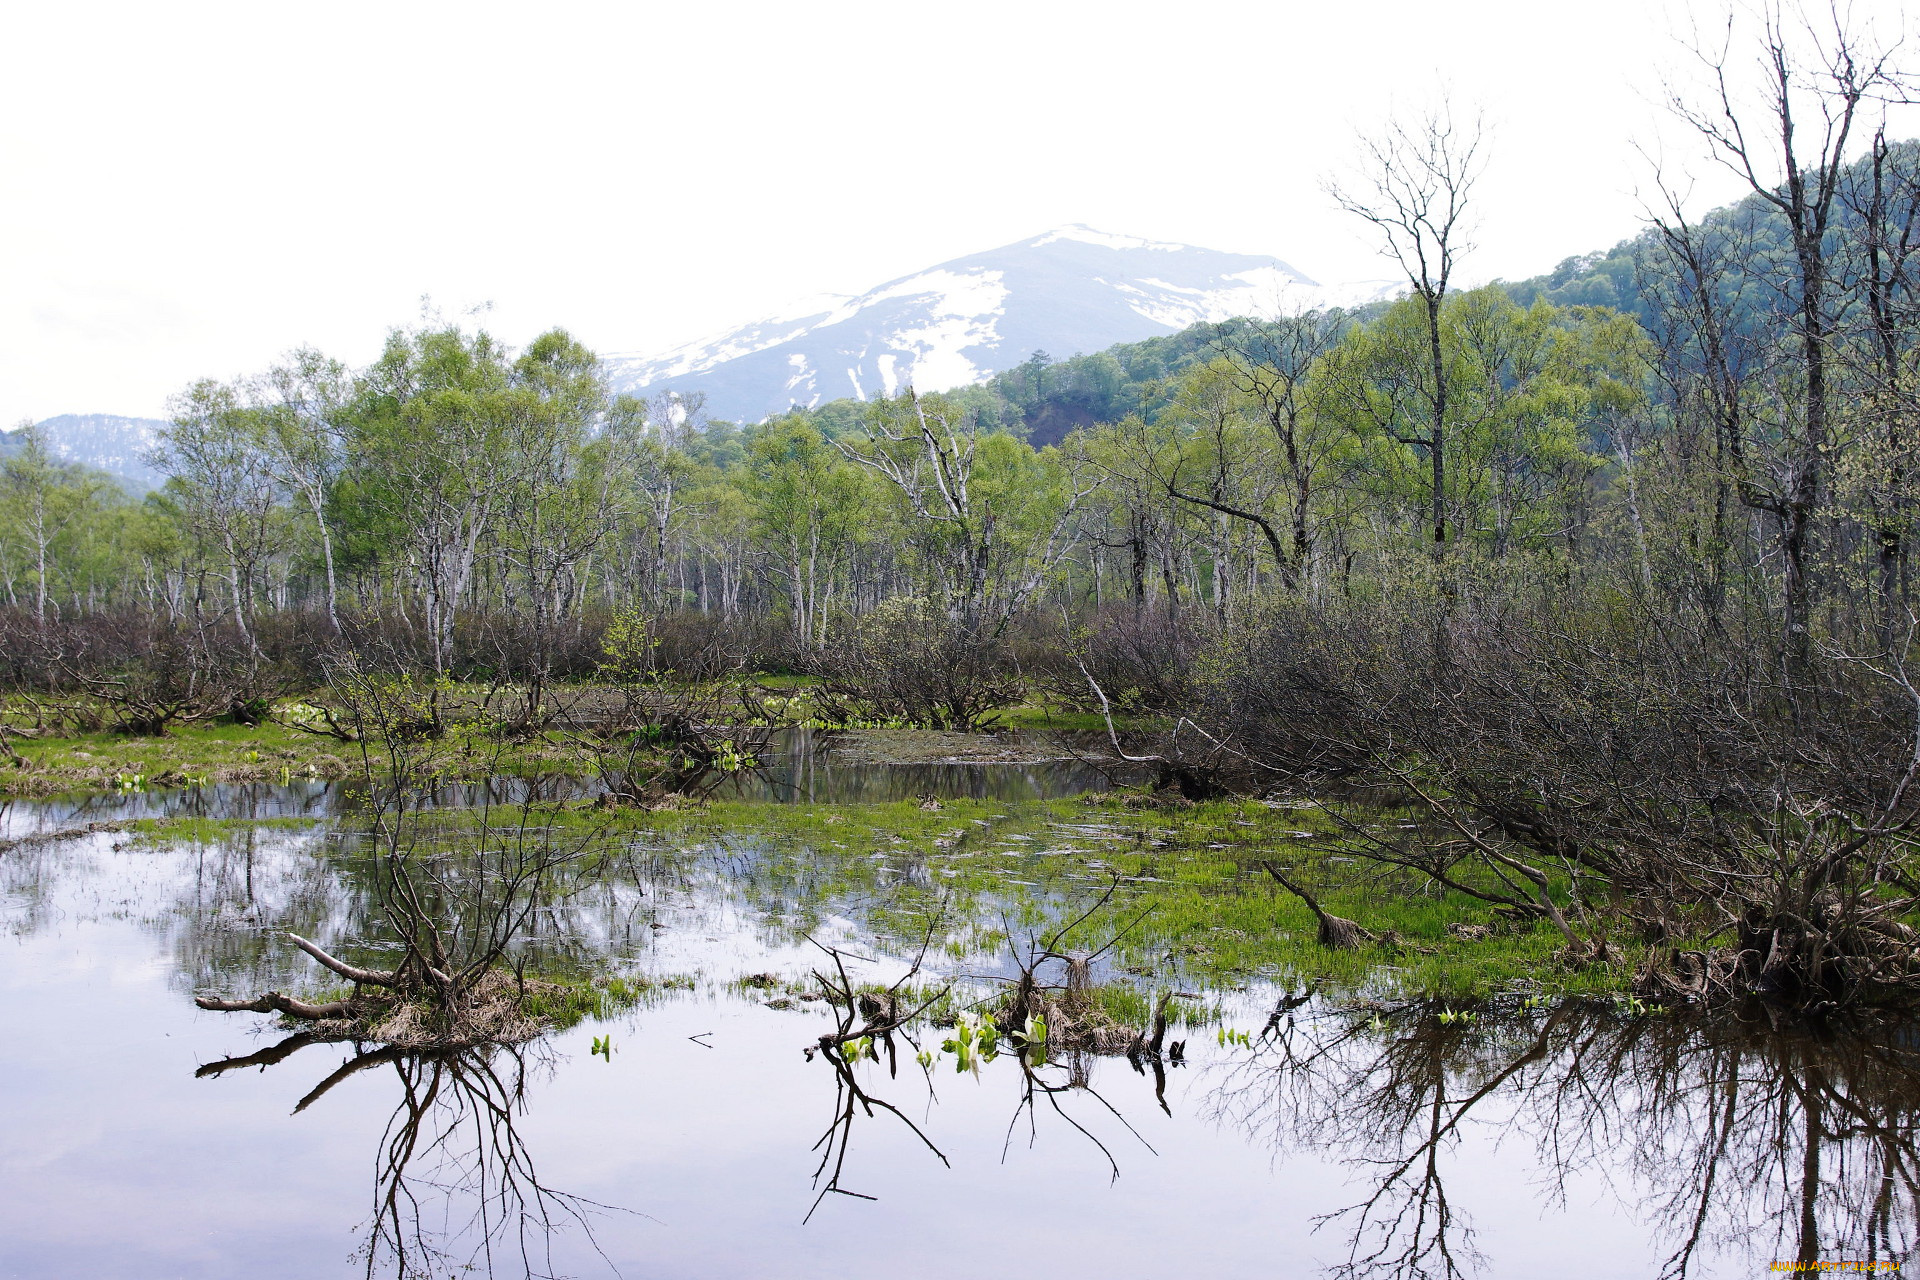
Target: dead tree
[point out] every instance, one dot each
(1419, 176)
(459, 912)
(1816, 75)
(1336, 933)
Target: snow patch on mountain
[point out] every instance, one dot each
(1070, 290)
(1087, 235)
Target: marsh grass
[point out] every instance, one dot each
(190, 829)
(1201, 912)
(559, 1005)
(472, 748)
(274, 752)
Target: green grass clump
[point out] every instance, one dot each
(187, 828)
(567, 1002)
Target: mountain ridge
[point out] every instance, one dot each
(109, 442)
(1070, 289)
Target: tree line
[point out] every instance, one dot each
(1741, 423)
(1620, 596)
(455, 474)
(1716, 450)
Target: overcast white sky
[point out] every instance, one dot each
(189, 189)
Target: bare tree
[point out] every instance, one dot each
(1886, 204)
(1784, 131)
(1418, 177)
(1271, 363)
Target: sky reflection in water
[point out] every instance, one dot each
(1575, 1143)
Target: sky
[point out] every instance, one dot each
(188, 190)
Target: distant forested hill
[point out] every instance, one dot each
(101, 441)
(1617, 277)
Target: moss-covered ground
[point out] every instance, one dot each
(1188, 904)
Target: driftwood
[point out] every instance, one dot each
(274, 1002)
(352, 973)
(1336, 933)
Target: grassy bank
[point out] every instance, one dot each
(199, 754)
(472, 749)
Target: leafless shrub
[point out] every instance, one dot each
(457, 908)
(1144, 659)
(667, 738)
(908, 661)
(1603, 770)
(132, 673)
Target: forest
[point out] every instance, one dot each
(1609, 573)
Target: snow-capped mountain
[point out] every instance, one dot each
(102, 441)
(1069, 291)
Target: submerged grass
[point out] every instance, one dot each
(186, 827)
(1191, 903)
(561, 1003)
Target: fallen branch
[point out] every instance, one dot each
(274, 1002)
(1336, 933)
(352, 973)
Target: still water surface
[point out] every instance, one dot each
(1550, 1142)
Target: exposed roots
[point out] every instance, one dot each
(407, 1012)
(1336, 932)
(1830, 960)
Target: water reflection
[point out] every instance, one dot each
(1063, 1085)
(456, 1189)
(1773, 1142)
(799, 766)
(803, 765)
(1409, 1140)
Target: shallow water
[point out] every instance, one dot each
(799, 767)
(802, 765)
(1568, 1142)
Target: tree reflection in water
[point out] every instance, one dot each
(1791, 1142)
(455, 1190)
(1043, 1079)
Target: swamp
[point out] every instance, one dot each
(1413, 791)
(774, 1034)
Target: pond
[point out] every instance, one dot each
(799, 766)
(690, 1134)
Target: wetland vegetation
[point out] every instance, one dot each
(1362, 738)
